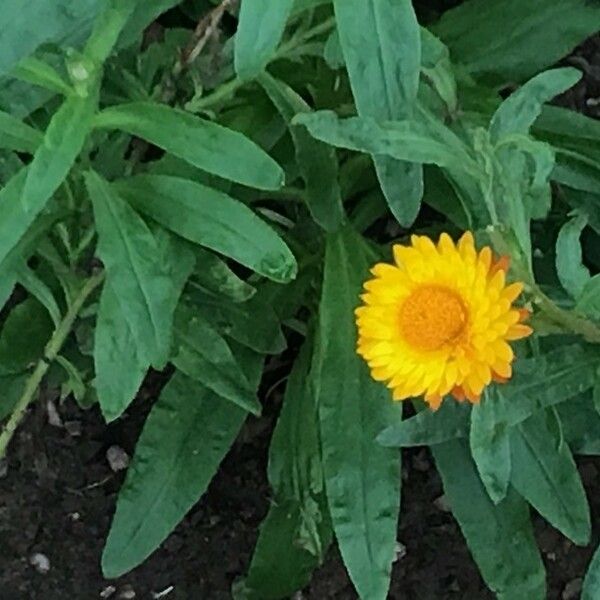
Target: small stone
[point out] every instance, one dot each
(73, 428)
(163, 594)
(441, 503)
(117, 458)
(572, 589)
(53, 416)
(551, 556)
(400, 551)
(127, 593)
(74, 516)
(40, 562)
(108, 591)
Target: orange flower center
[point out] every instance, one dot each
(431, 317)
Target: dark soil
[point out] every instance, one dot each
(59, 492)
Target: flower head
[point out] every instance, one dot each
(439, 321)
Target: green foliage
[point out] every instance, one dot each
(380, 41)
(500, 536)
(361, 478)
(208, 200)
(260, 27)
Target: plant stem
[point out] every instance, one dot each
(226, 90)
(51, 351)
(568, 319)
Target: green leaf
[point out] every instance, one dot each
(23, 337)
(203, 144)
(27, 193)
(508, 40)
(302, 5)
(202, 354)
(28, 278)
(145, 14)
(427, 428)
(297, 531)
(24, 27)
(16, 135)
(38, 72)
(119, 365)
(12, 387)
(405, 140)
(317, 161)
(500, 537)
(580, 422)
(279, 565)
(572, 273)
(361, 478)
(520, 110)
(546, 380)
(184, 439)
(107, 29)
(591, 583)
(545, 474)
(490, 444)
(212, 219)
(537, 383)
(212, 274)
(260, 27)
(239, 322)
(381, 43)
(295, 468)
(437, 69)
(146, 270)
(589, 299)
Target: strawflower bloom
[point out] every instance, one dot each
(439, 321)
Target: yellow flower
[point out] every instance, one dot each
(439, 321)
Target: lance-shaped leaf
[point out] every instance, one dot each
(212, 219)
(381, 43)
(361, 477)
(260, 27)
(206, 145)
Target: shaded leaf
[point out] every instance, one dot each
(297, 531)
(24, 27)
(500, 537)
(520, 110)
(508, 40)
(427, 428)
(361, 478)
(202, 354)
(146, 270)
(545, 474)
(212, 219)
(573, 275)
(490, 444)
(203, 144)
(23, 337)
(407, 140)
(591, 583)
(184, 439)
(16, 135)
(27, 193)
(381, 43)
(120, 367)
(260, 27)
(317, 161)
